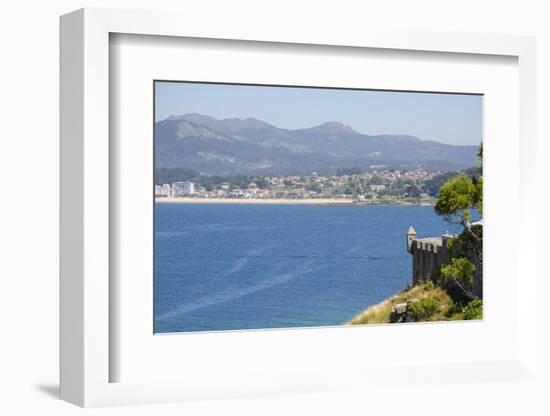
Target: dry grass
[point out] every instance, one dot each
(375, 314)
(380, 313)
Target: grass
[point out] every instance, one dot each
(428, 303)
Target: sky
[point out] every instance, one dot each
(446, 118)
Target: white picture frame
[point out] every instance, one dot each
(86, 305)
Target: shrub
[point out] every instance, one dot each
(474, 310)
(454, 309)
(423, 309)
(460, 269)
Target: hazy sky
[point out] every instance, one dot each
(447, 118)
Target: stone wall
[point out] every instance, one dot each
(428, 254)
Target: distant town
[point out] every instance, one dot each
(385, 186)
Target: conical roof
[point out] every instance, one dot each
(411, 230)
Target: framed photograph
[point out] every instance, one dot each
(246, 215)
(259, 226)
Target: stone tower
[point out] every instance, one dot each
(411, 235)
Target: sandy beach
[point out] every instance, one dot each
(320, 201)
(282, 201)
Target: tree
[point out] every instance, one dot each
(460, 271)
(413, 191)
(462, 193)
(314, 187)
(458, 196)
(480, 158)
(375, 180)
(432, 186)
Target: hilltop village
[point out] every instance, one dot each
(374, 186)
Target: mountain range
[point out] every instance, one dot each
(249, 146)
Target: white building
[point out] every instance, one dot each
(377, 188)
(164, 190)
(183, 188)
(167, 189)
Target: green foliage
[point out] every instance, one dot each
(164, 175)
(452, 243)
(461, 193)
(460, 269)
(454, 310)
(315, 187)
(412, 295)
(480, 156)
(474, 310)
(459, 311)
(478, 197)
(413, 191)
(376, 180)
(352, 189)
(433, 185)
(428, 285)
(457, 195)
(469, 241)
(423, 309)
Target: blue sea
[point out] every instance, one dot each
(239, 266)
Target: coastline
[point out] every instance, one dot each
(283, 201)
(274, 201)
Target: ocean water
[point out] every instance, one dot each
(238, 266)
